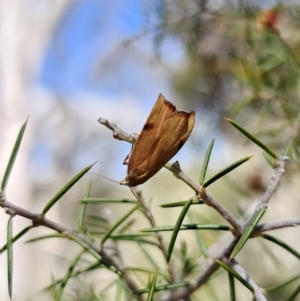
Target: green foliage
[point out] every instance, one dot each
(13, 156)
(240, 62)
(94, 232)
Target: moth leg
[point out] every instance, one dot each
(126, 160)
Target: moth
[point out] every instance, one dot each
(165, 132)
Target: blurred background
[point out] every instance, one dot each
(65, 63)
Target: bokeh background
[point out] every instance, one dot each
(65, 63)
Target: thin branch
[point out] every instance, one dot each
(40, 220)
(117, 133)
(179, 174)
(210, 268)
(226, 214)
(159, 238)
(274, 181)
(257, 290)
(273, 225)
(273, 185)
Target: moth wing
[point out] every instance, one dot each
(151, 132)
(154, 125)
(176, 131)
(164, 133)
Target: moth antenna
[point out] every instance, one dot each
(139, 200)
(98, 174)
(143, 205)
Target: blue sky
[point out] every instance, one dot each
(87, 56)
(91, 30)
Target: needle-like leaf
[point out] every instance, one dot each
(188, 227)
(182, 203)
(152, 288)
(94, 254)
(13, 156)
(283, 283)
(252, 138)
(205, 162)
(226, 170)
(282, 244)
(294, 293)
(83, 207)
(231, 287)
(230, 270)
(118, 223)
(177, 228)
(66, 188)
(68, 275)
(107, 200)
(15, 238)
(247, 232)
(10, 255)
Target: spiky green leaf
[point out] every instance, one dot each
(252, 138)
(66, 188)
(205, 162)
(13, 156)
(248, 231)
(226, 170)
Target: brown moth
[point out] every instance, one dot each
(165, 132)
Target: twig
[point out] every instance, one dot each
(226, 214)
(273, 185)
(40, 220)
(207, 271)
(240, 270)
(178, 173)
(273, 225)
(212, 266)
(117, 133)
(158, 236)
